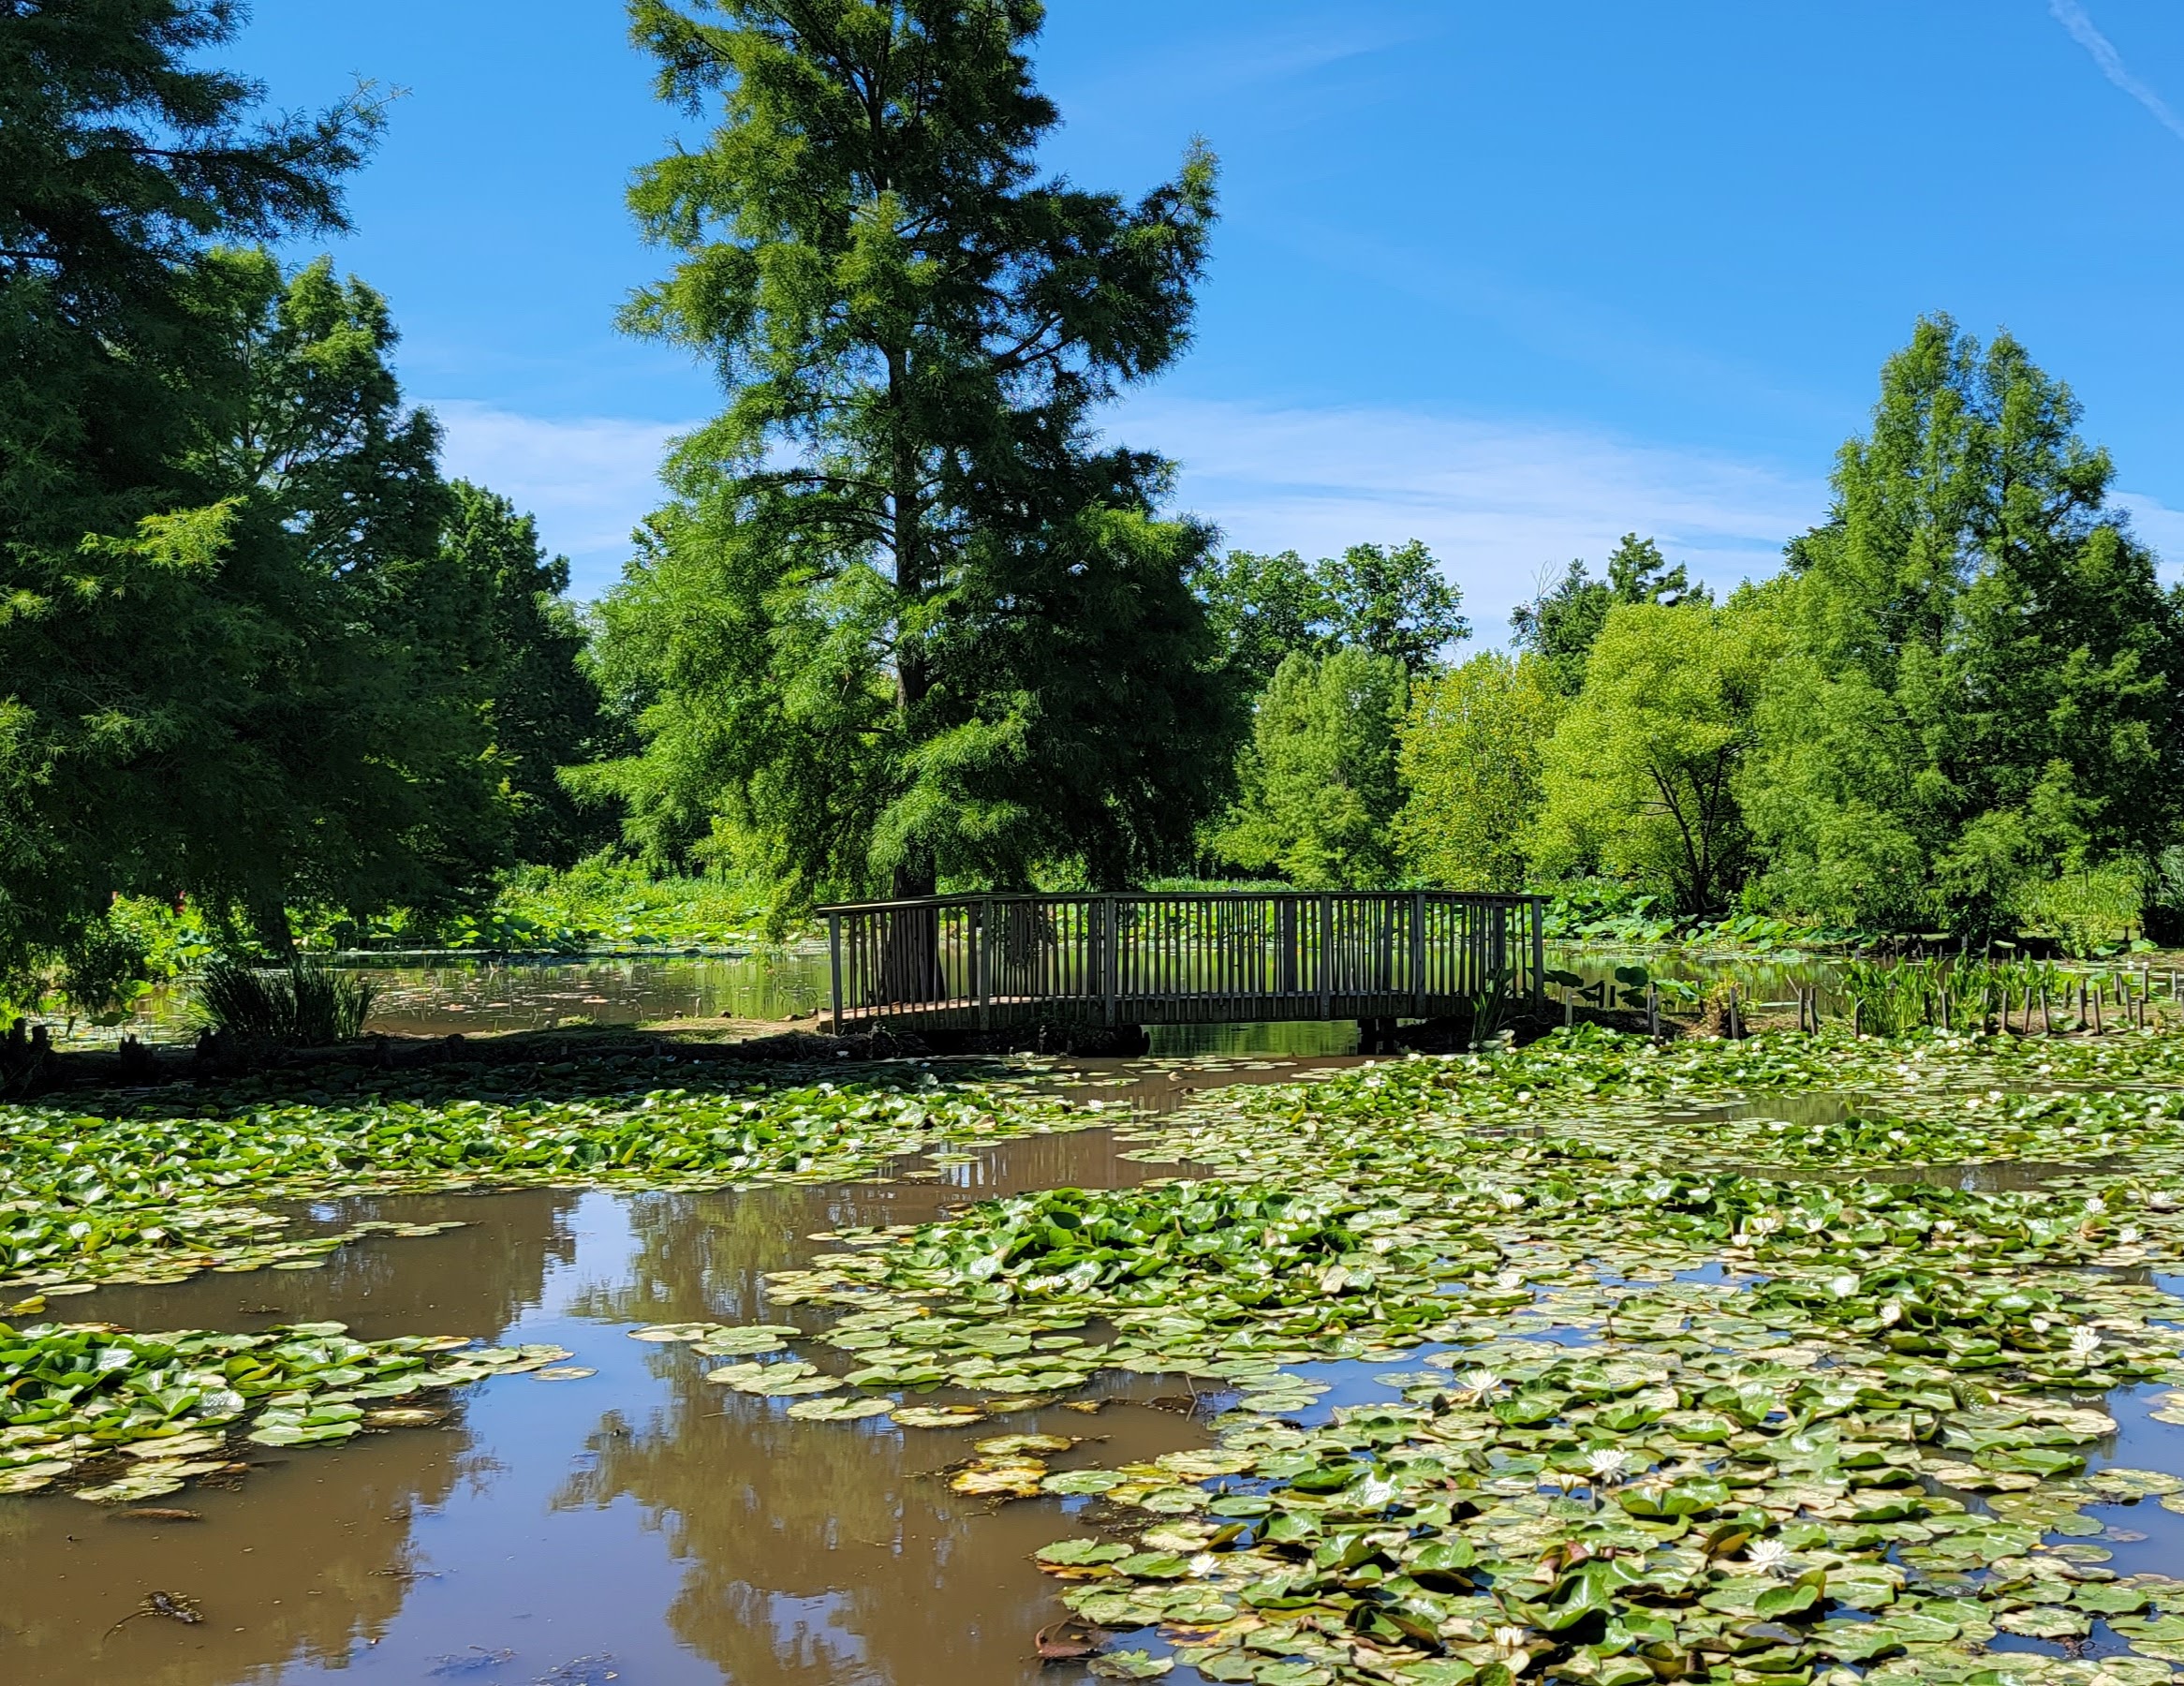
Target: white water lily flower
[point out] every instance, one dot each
(1510, 1200)
(1205, 1564)
(2085, 1343)
(1478, 1385)
(2094, 1203)
(1608, 1463)
(1890, 1314)
(1767, 1556)
(1842, 1287)
(1508, 1638)
(2128, 1236)
(2040, 1325)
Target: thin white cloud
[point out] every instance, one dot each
(2158, 526)
(1496, 501)
(2073, 17)
(589, 480)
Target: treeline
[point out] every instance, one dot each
(1956, 709)
(910, 620)
(256, 651)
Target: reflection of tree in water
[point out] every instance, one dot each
(826, 1551)
(820, 1551)
(328, 1565)
(329, 1557)
(701, 1255)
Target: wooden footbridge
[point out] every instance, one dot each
(994, 962)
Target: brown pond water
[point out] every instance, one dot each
(636, 1526)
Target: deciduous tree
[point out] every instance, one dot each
(1982, 693)
(1471, 752)
(1319, 786)
(1641, 776)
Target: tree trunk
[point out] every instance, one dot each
(910, 967)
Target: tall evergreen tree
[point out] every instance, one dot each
(122, 157)
(1983, 693)
(907, 620)
(530, 653)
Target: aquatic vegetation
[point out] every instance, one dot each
(123, 1417)
(155, 1188)
(302, 1006)
(1681, 1394)
(1804, 1339)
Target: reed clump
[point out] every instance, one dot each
(300, 1005)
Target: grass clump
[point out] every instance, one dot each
(304, 1005)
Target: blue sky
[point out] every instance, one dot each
(1509, 279)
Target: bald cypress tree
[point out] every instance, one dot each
(909, 619)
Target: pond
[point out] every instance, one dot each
(633, 1524)
(762, 989)
(632, 1516)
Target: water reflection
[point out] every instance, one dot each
(638, 1521)
(478, 997)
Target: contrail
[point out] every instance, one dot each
(2072, 15)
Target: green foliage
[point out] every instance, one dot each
(1891, 998)
(2089, 912)
(106, 966)
(1977, 698)
(1560, 625)
(1263, 609)
(1395, 603)
(1320, 784)
(907, 618)
(1390, 602)
(1641, 776)
(237, 664)
(602, 902)
(1470, 758)
(529, 658)
(304, 1006)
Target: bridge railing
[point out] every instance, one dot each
(1163, 957)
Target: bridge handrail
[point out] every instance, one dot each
(1490, 897)
(1248, 953)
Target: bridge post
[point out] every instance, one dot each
(1538, 908)
(835, 949)
(982, 960)
(1110, 956)
(1418, 955)
(1327, 954)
